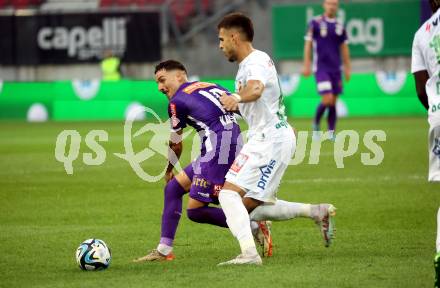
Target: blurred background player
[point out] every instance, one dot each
(425, 66)
(329, 40)
(195, 104)
(257, 171)
(110, 67)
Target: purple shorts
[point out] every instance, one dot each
(329, 82)
(208, 173)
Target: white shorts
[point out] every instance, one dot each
(259, 166)
(434, 154)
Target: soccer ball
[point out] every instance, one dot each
(93, 254)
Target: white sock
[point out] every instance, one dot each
(254, 228)
(164, 249)
(237, 218)
(438, 232)
(281, 210)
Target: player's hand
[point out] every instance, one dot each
(229, 103)
(347, 74)
(306, 71)
(169, 176)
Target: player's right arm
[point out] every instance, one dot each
(307, 62)
(174, 152)
(420, 72)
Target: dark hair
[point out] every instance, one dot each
(435, 4)
(169, 65)
(240, 21)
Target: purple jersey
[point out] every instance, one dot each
(327, 35)
(197, 104)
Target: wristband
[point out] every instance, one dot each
(237, 97)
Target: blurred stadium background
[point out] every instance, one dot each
(51, 51)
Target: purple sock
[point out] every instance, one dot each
(331, 119)
(319, 112)
(171, 211)
(210, 215)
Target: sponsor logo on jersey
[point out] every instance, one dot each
(239, 162)
(436, 149)
(206, 195)
(86, 43)
(266, 171)
(200, 182)
(216, 190)
(281, 124)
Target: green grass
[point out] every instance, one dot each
(386, 216)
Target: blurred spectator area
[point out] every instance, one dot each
(20, 4)
(181, 10)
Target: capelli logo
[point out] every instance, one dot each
(85, 43)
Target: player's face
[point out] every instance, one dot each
(226, 44)
(331, 8)
(168, 82)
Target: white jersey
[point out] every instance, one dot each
(264, 114)
(426, 56)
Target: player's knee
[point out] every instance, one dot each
(328, 99)
(173, 187)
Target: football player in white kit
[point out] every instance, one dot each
(425, 67)
(257, 170)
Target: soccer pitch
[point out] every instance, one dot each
(386, 217)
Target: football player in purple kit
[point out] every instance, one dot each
(196, 104)
(328, 38)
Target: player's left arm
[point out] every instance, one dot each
(421, 77)
(345, 52)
